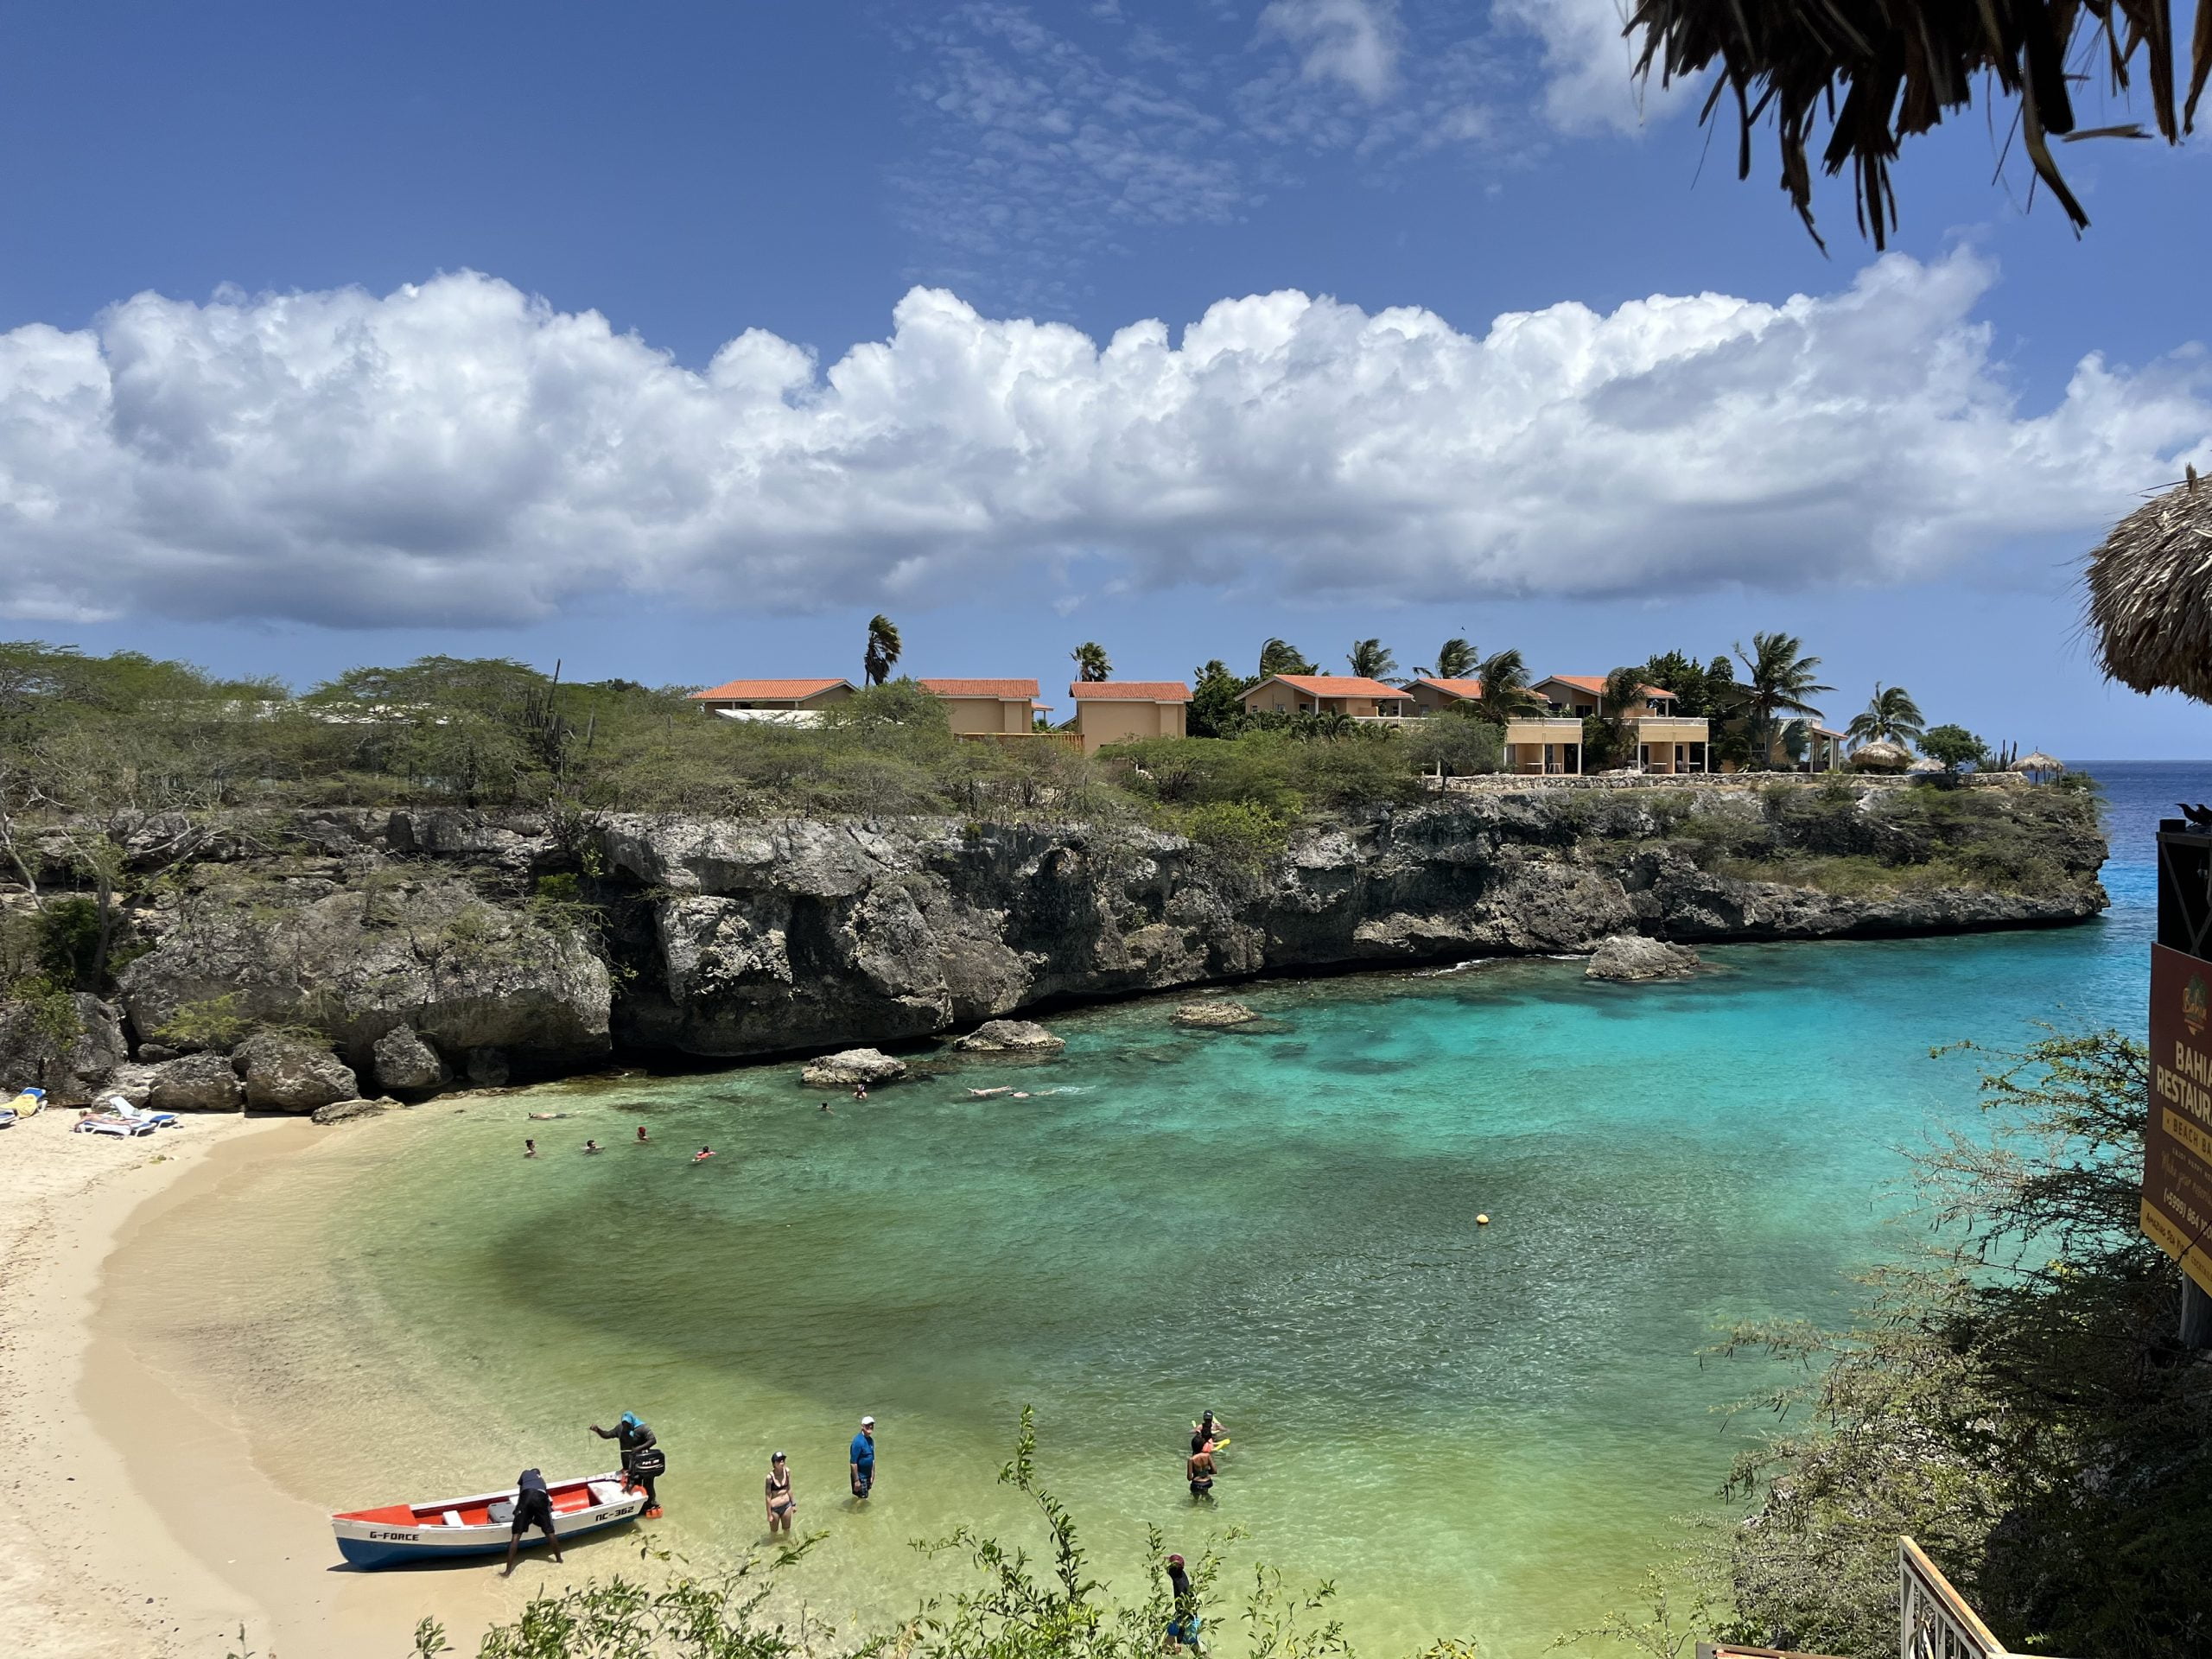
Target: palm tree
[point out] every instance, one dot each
(1781, 681)
(1090, 662)
(1280, 657)
(1455, 660)
(1623, 697)
(1892, 717)
(882, 655)
(1372, 660)
(1606, 741)
(1505, 693)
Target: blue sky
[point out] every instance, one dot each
(318, 440)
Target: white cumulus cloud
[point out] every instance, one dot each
(457, 451)
(1353, 41)
(1588, 65)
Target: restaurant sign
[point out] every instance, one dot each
(2177, 1135)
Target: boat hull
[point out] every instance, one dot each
(383, 1538)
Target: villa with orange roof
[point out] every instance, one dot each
(1666, 741)
(987, 708)
(1433, 696)
(1327, 694)
(1128, 711)
(797, 702)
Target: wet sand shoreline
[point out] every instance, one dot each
(140, 1523)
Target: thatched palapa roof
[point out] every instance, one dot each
(1925, 765)
(2038, 761)
(2150, 594)
(1881, 71)
(1881, 755)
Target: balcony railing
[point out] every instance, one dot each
(1933, 1621)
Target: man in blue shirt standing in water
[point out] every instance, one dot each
(863, 1458)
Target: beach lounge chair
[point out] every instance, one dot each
(108, 1123)
(116, 1106)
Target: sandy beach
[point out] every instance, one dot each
(138, 1521)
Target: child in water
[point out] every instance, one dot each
(703, 1154)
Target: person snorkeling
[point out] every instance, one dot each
(643, 1461)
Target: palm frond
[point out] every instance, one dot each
(1879, 72)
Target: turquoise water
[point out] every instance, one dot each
(1472, 1430)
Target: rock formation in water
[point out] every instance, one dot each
(1633, 957)
(427, 945)
(1009, 1037)
(853, 1065)
(1216, 1014)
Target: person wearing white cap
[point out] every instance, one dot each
(863, 1458)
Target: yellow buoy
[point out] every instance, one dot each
(1482, 1221)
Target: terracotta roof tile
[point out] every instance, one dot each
(764, 690)
(1597, 682)
(1004, 690)
(1130, 691)
(1457, 688)
(1337, 685)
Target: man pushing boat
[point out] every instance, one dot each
(533, 1507)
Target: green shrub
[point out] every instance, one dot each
(68, 942)
(1237, 830)
(51, 1011)
(216, 1022)
(1461, 743)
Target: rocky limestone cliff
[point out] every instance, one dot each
(440, 944)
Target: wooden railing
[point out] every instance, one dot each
(1933, 1621)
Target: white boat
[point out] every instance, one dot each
(453, 1527)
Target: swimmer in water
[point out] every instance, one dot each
(1199, 1471)
(859, 1091)
(530, 1149)
(825, 1107)
(703, 1154)
(593, 1145)
(642, 1136)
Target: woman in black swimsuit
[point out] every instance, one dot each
(780, 1501)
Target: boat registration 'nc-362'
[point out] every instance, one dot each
(479, 1525)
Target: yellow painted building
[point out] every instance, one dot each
(1128, 711)
(987, 708)
(1328, 694)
